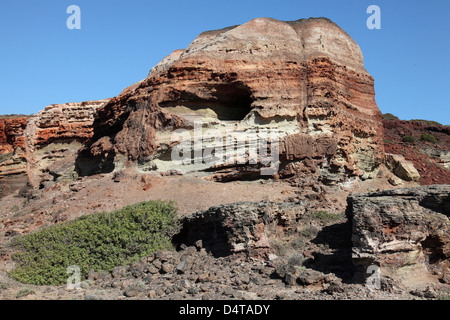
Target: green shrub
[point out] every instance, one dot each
(310, 232)
(100, 241)
(428, 137)
(408, 139)
(325, 216)
(389, 116)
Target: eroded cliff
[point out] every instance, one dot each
(304, 80)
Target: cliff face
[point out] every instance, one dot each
(43, 147)
(301, 82)
(12, 133)
(12, 153)
(304, 78)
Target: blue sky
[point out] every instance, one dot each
(43, 62)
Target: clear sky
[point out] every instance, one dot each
(43, 62)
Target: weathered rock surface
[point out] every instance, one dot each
(246, 227)
(430, 159)
(42, 148)
(12, 133)
(13, 168)
(305, 78)
(403, 231)
(402, 168)
(54, 137)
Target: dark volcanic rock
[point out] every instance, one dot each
(246, 227)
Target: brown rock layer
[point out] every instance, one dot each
(304, 77)
(12, 153)
(432, 160)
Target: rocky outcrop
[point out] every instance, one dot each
(13, 166)
(12, 133)
(404, 232)
(60, 122)
(302, 80)
(242, 228)
(41, 149)
(54, 137)
(431, 159)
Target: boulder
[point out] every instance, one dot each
(404, 232)
(401, 167)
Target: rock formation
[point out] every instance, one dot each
(246, 227)
(431, 159)
(405, 232)
(42, 148)
(299, 86)
(13, 168)
(305, 80)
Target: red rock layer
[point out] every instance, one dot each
(12, 133)
(424, 155)
(307, 72)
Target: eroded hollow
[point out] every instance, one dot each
(225, 102)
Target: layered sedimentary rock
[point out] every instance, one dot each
(12, 133)
(13, 166)
(302, 81)
(54, 137)
(404, 232)
(42, 148)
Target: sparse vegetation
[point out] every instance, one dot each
(24, 292)
(389, 116)
(325, 216)
(409, 139)
(427, 122)
(310, 232)
(100, 241)
(301, 268)
(428, 137)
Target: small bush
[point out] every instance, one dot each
(310, 232)
(409, 139)
(389, 116)
(100, 241)
(428, 137)
(325, 216)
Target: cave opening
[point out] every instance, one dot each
(226, 102)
